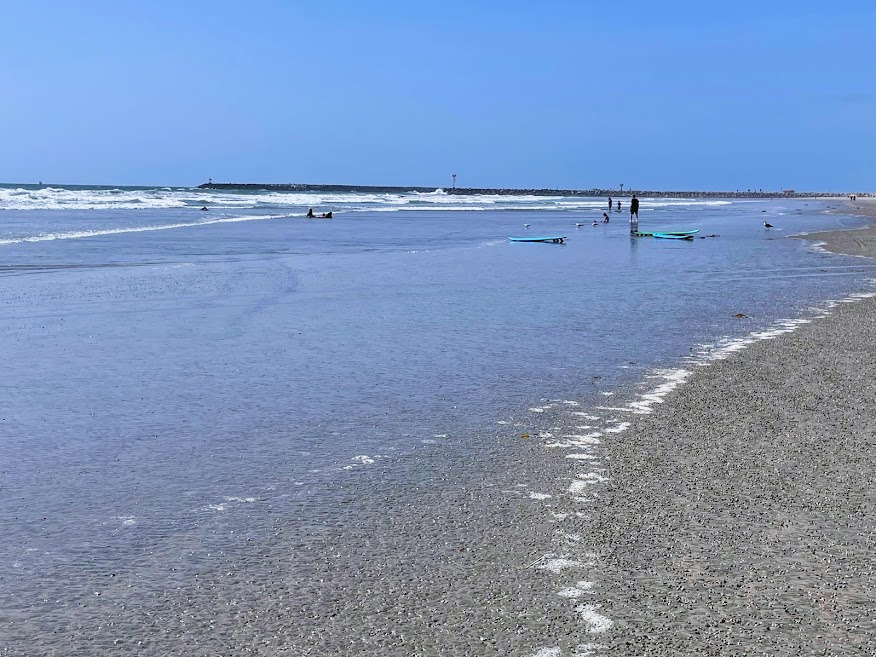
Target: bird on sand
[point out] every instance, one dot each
(766, 225)
(526, 225)
(578, 225)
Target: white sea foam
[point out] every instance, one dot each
(80, 234)
(539, 496)
(596, 622)
(669, 379)
(620, 427)
(547, 652)
(579, 486)
(580, 589)
(79, 198)
(725, 348)
(578, 440)
(560, 564)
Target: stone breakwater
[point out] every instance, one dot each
(485, 191)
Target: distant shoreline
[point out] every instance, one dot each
(856, 241)
(486, 191)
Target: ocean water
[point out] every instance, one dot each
(179, 385)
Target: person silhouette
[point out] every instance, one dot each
(634, 208)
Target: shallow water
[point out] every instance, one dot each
(177, 389)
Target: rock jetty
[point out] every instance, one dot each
(471, 191)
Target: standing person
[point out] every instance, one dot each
(618, 206)
(634, 208)
(609, 203)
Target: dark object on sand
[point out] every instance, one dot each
(766, 225)
(740, 315)
(554, 239)
(204, 209)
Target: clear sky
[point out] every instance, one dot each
(692, 95)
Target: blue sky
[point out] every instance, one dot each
(670, 95)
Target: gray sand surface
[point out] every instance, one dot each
(741, 514)
(861, 242)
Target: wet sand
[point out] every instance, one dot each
(861, 242)
(741, 515)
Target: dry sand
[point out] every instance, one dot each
(741, 514)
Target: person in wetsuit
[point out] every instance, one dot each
(634, 208)
(310, 213)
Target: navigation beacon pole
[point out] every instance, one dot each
(453, 175)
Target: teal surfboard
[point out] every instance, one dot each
(555, 239)
(673, 236)
(651, 233)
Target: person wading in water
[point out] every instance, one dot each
(634, 208)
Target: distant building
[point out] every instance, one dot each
(788, 192)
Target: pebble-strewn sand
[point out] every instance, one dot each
(741, 515)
